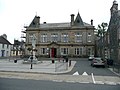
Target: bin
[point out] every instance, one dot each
(15, 61)
(109, 62)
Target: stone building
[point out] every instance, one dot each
(5, 46)
(114, 35)
(18, 48)
(73, 39)
(109, 45)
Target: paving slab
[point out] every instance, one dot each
(43, 67)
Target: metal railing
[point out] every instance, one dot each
(61, 66)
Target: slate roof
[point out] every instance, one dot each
(4, 41)
(78, 22)
(60, 25)
(35, 22)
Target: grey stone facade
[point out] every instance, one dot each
(109, 45)
(73, 39)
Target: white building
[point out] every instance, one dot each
(5, 46)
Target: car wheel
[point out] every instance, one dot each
(103, 66)
(92, 65)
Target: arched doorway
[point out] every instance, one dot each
(54, 48)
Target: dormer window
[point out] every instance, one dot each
(78, 21)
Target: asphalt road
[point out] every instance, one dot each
(82, 66)
(21, 84)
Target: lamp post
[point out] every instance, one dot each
(33, 39)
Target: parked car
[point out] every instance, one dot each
(91, 57)
(97, 61)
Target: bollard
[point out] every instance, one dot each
(52, 61)
(66, 59)
(69, 63)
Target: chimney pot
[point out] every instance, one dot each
(91, 21)
(72, 19)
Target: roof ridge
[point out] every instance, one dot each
(4, 41)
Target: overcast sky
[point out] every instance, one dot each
(14, 14)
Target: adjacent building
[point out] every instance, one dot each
(109, 44)
(73, 39)
(114, 35)
(5, 46)
(18, 48)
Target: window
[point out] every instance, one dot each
(43, 37)
(3, 45)
(89, 51)
(30, 37)
(78, 51)
(89, 37)
(81, 51)
(7, 53)
(13, 52)
(43, 50)
(64, 37)
(64, 51)
(78, 21)
(7, 46)
(78, 37)
(54, 37)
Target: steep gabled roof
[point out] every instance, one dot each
(4, 41)
(35, 22)
(78, 23)
(78, 20)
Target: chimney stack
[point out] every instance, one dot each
(91, 21)
(5, 36)
(72, 19)
(37, 20)
(114, 7)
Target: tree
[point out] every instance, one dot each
(101, 30)
(29, 49)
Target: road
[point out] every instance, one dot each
(93, 78)
(24, 84)
(83, 65)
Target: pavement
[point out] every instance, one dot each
(46, 66)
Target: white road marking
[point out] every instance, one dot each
(93, 78)
(57, 80)
(76, 73)
(85, 73)
(99, 82)
(84, 82)
(70, 81)
(110, 83)
(118, 82)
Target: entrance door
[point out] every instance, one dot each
(53, 52)
(3, 53)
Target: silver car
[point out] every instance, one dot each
(91, 57)
(97, 62)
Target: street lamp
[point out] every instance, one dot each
(33, 39)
